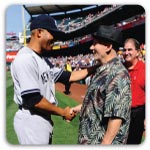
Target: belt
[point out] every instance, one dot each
(23, 107)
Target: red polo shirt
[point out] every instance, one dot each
(137, 75)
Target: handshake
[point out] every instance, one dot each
(70, 113)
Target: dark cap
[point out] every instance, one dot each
(109, 34)
(68, 59)
(48, 23)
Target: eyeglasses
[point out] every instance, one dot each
(127, 49)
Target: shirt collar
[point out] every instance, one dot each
(108, 64)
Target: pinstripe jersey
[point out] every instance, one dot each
(32, 74)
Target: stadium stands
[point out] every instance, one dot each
(81, 23)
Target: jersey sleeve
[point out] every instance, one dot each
(26, 74)
(60, 75)
(64, 77)
(57, 73)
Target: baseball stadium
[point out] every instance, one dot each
(79, 22)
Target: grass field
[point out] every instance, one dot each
(64, 132)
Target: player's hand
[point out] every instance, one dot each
(72, 110)
(75, 110)
(68, 114)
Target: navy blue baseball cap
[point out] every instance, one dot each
(48, 23)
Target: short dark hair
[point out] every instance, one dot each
(135, 42)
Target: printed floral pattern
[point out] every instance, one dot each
(109, 95)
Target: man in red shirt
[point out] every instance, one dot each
(136, 70)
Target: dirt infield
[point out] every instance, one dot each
(77, 91)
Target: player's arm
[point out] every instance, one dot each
(81, 74)
(37, 101)
(45, 105)
(66, 76)
(112, 130)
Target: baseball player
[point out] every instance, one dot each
(34, 84)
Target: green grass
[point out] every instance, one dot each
(11, 108)
(63, 133)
